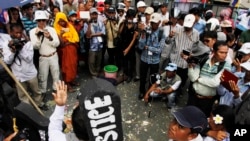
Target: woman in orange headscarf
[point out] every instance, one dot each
(68, 51)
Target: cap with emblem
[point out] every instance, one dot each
(189, 20)
(155, 18)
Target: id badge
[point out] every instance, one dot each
(150, 53)
(99, 39)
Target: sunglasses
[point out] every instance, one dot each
(40, 20)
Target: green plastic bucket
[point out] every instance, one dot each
(110, 71)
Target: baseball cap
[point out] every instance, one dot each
(121, 6)
(40, 15)
(109, 2)
(149, 10)
(72, 12)
(226, 23)
(191, 117)
(164, 4)
(189, 20)
(171, 67)
(246, 65)
(141, 4)
(221, 36)
(245, 48)
(93, 10)
(155, 17)
(111, 9)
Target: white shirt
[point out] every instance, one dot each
(164, 17)
(55, 125)
(22, 66)
(4, 41)
(244, 20)
(46, 46)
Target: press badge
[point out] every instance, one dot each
(150, 53)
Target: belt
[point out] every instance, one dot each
(203, 97)
(48, 55)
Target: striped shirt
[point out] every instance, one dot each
(208, 77)
(28, 24)
(180, 42)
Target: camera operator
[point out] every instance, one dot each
(21, 59)
(151, 45)
(46, 40)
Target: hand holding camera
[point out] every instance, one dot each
(16, 44)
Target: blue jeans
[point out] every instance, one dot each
(171, 98)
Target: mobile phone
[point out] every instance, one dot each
(186, 52)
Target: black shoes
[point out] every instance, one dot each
(140, 96)
(136, 79)
(128, 79)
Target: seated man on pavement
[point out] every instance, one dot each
(167, 86)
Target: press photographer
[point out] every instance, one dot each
(21, 62)
(95, 30)
(112, 30)
(45, 39)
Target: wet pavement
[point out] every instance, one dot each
(141, 122)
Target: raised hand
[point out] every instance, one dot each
(60, 97)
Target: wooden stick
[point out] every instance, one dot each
(19, 85)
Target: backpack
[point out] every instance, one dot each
(204, 59)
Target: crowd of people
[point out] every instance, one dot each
(164, 49)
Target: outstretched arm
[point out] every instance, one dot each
(56, 119)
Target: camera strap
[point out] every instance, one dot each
(42, 36)
(111, 29)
